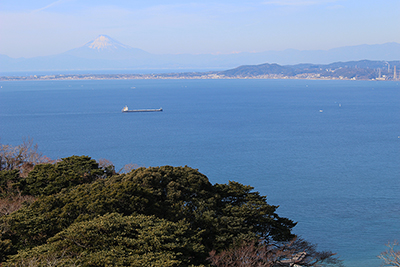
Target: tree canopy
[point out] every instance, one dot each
(115, 240)
(85, 214)
(48, 179)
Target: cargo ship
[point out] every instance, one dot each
(125, 109)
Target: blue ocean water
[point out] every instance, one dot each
(326, 152)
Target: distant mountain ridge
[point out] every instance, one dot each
(358, 70)
(105, 53)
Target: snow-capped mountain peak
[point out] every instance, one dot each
(104, 42)
(106, 48)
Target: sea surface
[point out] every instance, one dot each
(326, 152)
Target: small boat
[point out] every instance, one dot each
(125, 109)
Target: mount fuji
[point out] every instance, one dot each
(104, 47)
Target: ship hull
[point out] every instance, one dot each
(143, 110)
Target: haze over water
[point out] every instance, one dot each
(326, 152)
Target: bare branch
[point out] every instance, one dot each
(391, 257)
(128, 168)
(262, 253)
(13, 203)
(22, 157)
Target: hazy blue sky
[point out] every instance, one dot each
(43, 27)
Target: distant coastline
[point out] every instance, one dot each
(352, 70)
(176, 76)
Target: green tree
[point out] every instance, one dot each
(244, 214)
(217, 214)
(48, 179)
(223, 212)
(116, 240)
(8, 181)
